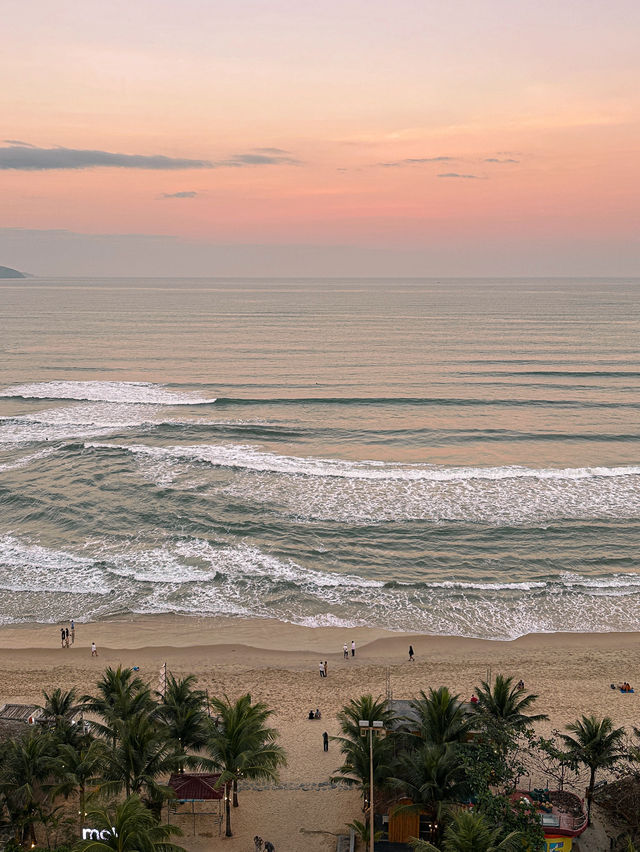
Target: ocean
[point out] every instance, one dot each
(451, 457)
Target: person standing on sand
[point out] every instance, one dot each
(66, 637)
(353, 648)
(411, 660)
(73, 632)
(269, 847)
(62, 636)
(94, 650)
(345, 651)
(325, 741)
(322, 672)
(325, 668)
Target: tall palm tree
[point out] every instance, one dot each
(27, 765)
(355, 748)
(366, 707)
(442, 716)
(58, 710)
(182, 711)
(130, 827)
(430, 776)
(242, 746)
(80, 766)
(120, 696)
(503, 702)
(470, 832)
(143, 753)
(596, 744)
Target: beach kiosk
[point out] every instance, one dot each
(562, 814)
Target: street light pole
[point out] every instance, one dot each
(371, 726)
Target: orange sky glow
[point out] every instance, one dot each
(405, 127)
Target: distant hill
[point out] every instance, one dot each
(7, 272)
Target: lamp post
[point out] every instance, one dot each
(377, 727)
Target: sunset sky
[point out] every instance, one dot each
(410, 137)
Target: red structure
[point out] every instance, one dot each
(193, 787)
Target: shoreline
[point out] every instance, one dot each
(267, 636)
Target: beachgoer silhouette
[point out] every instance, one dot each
(410, 653)
(62, 636)
(325, 741)
(325, 668)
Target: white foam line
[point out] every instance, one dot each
(247, 457)
(141, 393)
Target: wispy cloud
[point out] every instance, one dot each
(258, 157)
(22, 156)
(498, 160)
(457, 175)
(184, 194)
(415, 161)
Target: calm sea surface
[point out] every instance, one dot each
(454, 457)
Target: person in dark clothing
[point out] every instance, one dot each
(269, 847)
(325, 741)
(410, 653)
(62, 636)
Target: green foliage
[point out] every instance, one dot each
(505, 703)
(241, 745)
(27, 765)
(596, 744)
(470, 831)
(442, 716)
(121, 696)
(183, 714)
(136, 830)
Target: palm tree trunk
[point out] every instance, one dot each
(82, 804)
(235, 792)
(227, 808)
(592, 783)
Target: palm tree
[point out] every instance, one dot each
(80, 766)
(596, 744)
(470, 832)
(142, 754)
(442, 716)
(355, 748)
(58, 711)
(130, 827)
(26, 767)
(242, 746)
(121, 695)
(365, 707)
(182, 711)
(504, 702)
(430, 776)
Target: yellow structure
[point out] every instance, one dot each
(558, 844)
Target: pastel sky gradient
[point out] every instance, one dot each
(407, 136)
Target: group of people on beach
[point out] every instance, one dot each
(345, 650)
(261, 845)
(68, 634)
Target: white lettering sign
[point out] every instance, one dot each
(97, 834)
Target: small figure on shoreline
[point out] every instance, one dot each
(322, 671)
(73, 632)
(325, 668)
(411, 660)
(325, 741)
(345, 651)
(62, 636)
(353, 648)
(66, 637)
(94, 650)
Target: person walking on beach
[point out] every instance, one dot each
(322, 671)
(345, 651)
(258, 843)
(73, 631)
(62, 636)
(269, 847)
(325, 741)
(411, 660)
(66, 637)
(325, 668)
(94, 650)
(353, 648)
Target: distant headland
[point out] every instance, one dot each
(7, 272)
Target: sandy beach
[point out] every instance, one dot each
(278, 663)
